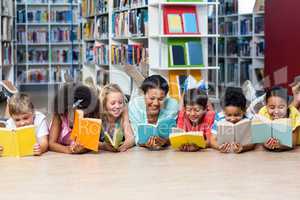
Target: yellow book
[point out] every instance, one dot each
(178, 137)
(175, 24)
(86, 131)
(18, 142)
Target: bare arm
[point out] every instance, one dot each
(54, 135)
(128, 132)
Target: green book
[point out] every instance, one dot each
(116, 140)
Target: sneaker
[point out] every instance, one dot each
(8, 88)
(249, 91)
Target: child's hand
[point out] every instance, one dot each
(76, 148)
(225, 148)
(237, 148)
(272, 143)
(155, 143)
(189, 148)
(37, 151)
(110, 148)
(125, 146)
(1, 150)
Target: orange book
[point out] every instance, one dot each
(86, 131)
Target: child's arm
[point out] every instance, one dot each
(128, 132)
(54, 135)
(41, 147)
(1, 150)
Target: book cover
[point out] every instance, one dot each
(86, 131)
(194, 53)
(162, 129)
(190, 23)
(179, 137)
(281, 129)
(175, 23)
(18, 142)
(177, 55)
(116, 140)
(240, 132)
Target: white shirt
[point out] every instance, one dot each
(40, 123)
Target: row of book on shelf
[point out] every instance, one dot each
(130, 23)
(126, 4)
(41, 55)
(42, 15)
(41, 35)
(91, 8)
(41, 74)
(97, 53)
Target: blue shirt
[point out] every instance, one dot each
(138, 113)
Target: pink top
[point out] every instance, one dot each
(65, 130)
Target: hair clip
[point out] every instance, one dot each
(77, 103)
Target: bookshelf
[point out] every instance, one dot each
(241, 45)
(165, 40)
(96, 40)
(47, 41)
(6, 37)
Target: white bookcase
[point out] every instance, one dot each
(6, 37)
(154, 40)
(48, 42)
(237, 62)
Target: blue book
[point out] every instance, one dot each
(190, 23)
(177, 55)
(281, 129)
(162, 129)
(194, 53)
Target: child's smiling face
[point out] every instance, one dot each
(115, 104)
(194, 113)
(233, 114)
(23, 119)
(277, 107)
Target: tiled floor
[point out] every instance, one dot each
(141, 174)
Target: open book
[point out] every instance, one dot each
(162, 129)
(281, 129)
(18, 142)
(234, 133)
(86, 131)
(178, 137)
(116, 140)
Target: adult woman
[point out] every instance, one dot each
(152, 107)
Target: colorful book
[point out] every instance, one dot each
(194, 53)
(116, 140)
(239, 132)
(177, 55)
(86, 131)
(18, 142)
(162, 129)
(190, 23)
(281, 129)
(179, 137)
(175, 24)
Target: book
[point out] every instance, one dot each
(175, 24)
(194, 53)
(161, 129)
(86, 131)
(239, 133)
(190, 23)
(18, 142)
(177, 55)
(116, 140)
(179, 137)
(281, 129)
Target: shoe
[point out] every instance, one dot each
(8, 88)
(249, 91)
